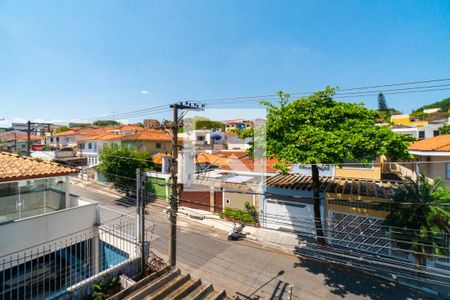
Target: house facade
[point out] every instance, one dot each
(150, 141)
(432, 157)
(52, 242)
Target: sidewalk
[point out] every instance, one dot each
(289, 242)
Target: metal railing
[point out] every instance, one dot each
(55, 268)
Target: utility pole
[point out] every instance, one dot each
(28, 138)
(29, 134)
(140, 210)
(174, 170)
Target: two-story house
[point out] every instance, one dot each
(53, 242)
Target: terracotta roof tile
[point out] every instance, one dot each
(14, 167)
(101, 137)
(250, 165)
(338, 185)
(149, 135)
(19, 136)
(437, 143)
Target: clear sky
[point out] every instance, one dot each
(62, 60)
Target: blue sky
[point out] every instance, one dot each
(62, 60)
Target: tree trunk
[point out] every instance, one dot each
(316, 198)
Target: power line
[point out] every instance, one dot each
(160, 108)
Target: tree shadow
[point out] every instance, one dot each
(344, 281)
(280, 290)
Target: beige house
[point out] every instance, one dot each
(432, 157)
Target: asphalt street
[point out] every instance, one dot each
(248, 269)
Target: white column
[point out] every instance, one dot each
(67, 189)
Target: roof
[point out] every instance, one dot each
(14, 167)
(339, 185)
(250, 165)
(101, 137)
(237, 153)
(437, 143)
(149, 135)
(158, 157)
(213, 159)
(19, 136)
(131, 127)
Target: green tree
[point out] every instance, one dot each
(445, 129)
(318, 130)
(119, 165)
(419, 221)
(62, 129)
(382, 105)
(106, 123)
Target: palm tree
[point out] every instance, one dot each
(419, 217)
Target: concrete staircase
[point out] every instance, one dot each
(170, 284)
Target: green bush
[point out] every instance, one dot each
(248, 215)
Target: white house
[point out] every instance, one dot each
(52, 241)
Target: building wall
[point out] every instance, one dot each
(149, 147)
(436, 167)
(39, 230)
(237, 200)
(370, 173)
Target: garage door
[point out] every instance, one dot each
(289, 215)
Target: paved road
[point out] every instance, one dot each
(250, 270)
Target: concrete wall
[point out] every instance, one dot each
(436, 167)
(149, 147)
(34, 232)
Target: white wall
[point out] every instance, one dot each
(32, 233)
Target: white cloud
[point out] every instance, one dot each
(144, 92)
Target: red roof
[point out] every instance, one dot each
(251, 166)
(19, 136)
(437, 143)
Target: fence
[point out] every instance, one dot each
(55, 269)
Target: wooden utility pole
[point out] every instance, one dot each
(28, 138)
(174, 196)
(140, 210)
(174, 177)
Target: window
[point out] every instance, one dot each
(435, 132)
(158, 145)
(227, 200)
(90, 146)
(421, 134)
(95, 146)
(447, 171)
(51, 140)
(57, 139)
(200, 138)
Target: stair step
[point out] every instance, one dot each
(168, 288)
(154, 286)
(217, 295)
(141, 283)
(202, 293)
(190, 287)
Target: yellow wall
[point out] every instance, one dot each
(369, 212)
(373, 173)
(150, 147)
(407, 122)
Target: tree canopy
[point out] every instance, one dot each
(417, 209)
(119, 165)
(444, 105)
(106, 123)
(382, 105)
(319, 130)
(61, 129)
